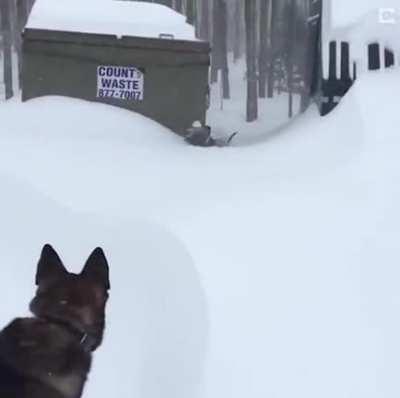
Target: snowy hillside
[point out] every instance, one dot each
(259, 270)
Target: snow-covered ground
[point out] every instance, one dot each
(260, 270)
(265, 269)
(227, 116)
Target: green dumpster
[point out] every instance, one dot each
(164, 78)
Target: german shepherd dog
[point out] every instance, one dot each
(49, 355)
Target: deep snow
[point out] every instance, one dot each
(121, 18)
(258, 270)
(266, 269)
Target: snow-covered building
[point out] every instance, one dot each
(355, 40)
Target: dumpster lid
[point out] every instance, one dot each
(112, 17)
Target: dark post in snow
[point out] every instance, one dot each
(224, 49)
(263, 58)
(272, 47)
(5, 16)
(251, 57)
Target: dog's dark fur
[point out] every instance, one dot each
(49, 355)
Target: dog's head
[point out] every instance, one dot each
(76, 300)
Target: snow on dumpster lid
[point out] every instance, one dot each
(114, 17)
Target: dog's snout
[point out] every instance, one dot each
(86, 315)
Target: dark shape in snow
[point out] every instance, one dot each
(199, 135)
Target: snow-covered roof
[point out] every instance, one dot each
(379, 24)
(374, 26)
(120, 18)
(345, 12)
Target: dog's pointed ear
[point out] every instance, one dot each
(96, 267)
(49, 266)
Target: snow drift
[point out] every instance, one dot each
(258, 270)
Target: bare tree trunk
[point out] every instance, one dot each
(178, 5)
(23, 8)
(263, 58)
(216, 38)
(251, 48)
(191, 11)
(224, 48)
(272, 47)
(238, 15)
(5, 15)
(13, 21)
(307, 70)
(205, 20)
(312, 65)
(290, 63)
(167, 3)
(30, 5)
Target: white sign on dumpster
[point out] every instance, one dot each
(121, 82)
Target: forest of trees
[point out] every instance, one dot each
(13, 16)
(276, 38)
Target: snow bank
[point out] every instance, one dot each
(121, 18)
(266, 270)
(156, 317)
